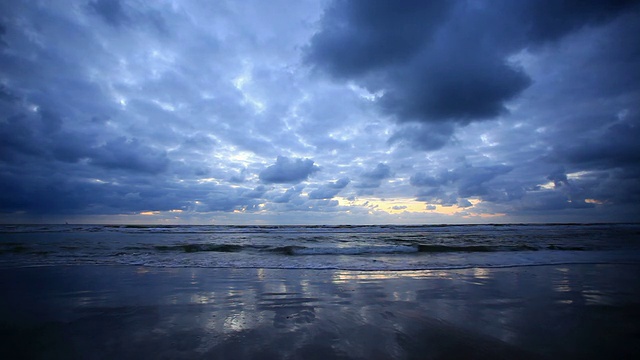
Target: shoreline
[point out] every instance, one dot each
(550, 311)
(443, 268)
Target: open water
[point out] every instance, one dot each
(320, 247)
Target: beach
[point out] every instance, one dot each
(587, 311)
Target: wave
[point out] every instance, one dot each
(291, 250)
(448, 248)
(189, 248)
(353, 250)
(488, 248)
(403, 249)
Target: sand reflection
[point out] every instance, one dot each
(340, 276)
(270, 313)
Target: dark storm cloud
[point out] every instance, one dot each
(360, 36)
(287, 170)
(616, 186)
(464, 203)
(425, 137)
(329, 190)
(606, 155)
(255, 193)
(373, 178)
(38, 193)
(468, 180)
(421, 179)
(238, 177)
(559, 177)
(443, 60)
(39, 137)
(471, 180)
(437, 196)
(548, 20)
(549, 201)
(125, 154)
(29, 135)
(120, 107)
(16, 135)
(63, 189)
(110, 10)
(6, 95)
(574, 192)
(199, 142)
(380, 172)
(290, 195)
(105, 111)
(47, 192)
(2, 32)
(616, 146)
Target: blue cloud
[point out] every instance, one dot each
(287, 170)
(329, 190)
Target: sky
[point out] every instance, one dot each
(319, 112)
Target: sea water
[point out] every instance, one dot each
(365, 248)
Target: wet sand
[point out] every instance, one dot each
(106, 312)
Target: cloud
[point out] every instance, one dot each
(427, 137)
(329, 190)
(3, 31)
(287, 170)
(617, 146)
(376, 34)
(559, 177)
(290, 195)
(443, 61)
(239, 177)
(464, 203)
(380, 172)
(255, 193)
(58, 193)
(467, 180)
(445, 177)
(523, 108)
(125, 154)
(373, 178)
(437, 196)
(6, 95)
(110, 11)
(549, 201)
(471, 180)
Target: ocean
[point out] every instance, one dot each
(524, 291)
(362, 248)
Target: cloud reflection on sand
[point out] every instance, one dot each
(277, 313)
